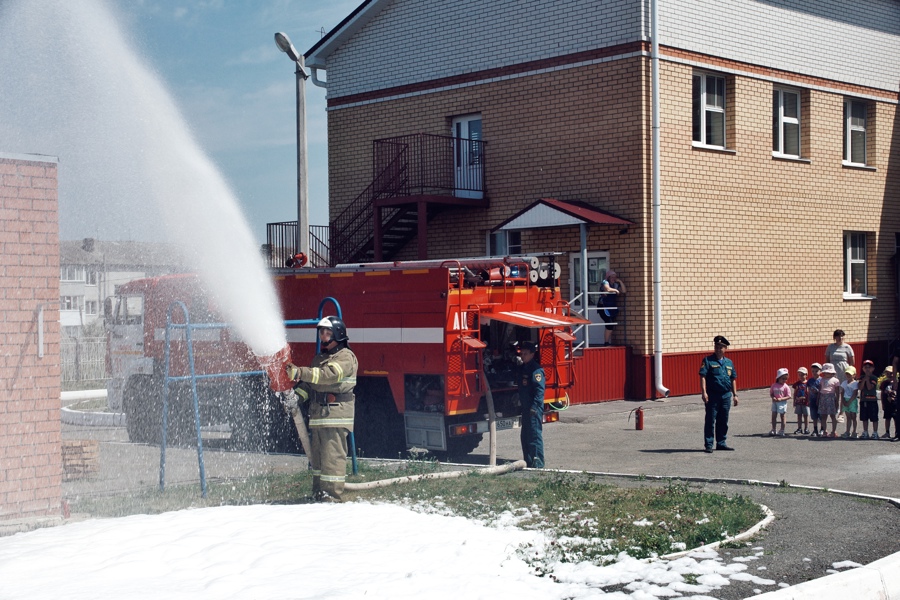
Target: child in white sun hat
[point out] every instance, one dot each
(829, 390)
(780, 393)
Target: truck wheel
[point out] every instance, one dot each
(462, 446)
(378, 427)
(142, 403)
(262, 423)
(180, 427)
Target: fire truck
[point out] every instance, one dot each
(435, 341)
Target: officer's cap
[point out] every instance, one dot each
(530, 346)
(720, 339)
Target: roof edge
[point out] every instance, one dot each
(315, 57)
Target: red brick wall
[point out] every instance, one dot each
(30, 455)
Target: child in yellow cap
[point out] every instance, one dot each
(850, 401)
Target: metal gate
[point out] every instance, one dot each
(83, 359)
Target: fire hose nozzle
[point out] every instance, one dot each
(276, 367)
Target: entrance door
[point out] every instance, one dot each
(467, 157)
(598, 263)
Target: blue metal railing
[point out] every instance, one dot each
(188, 327)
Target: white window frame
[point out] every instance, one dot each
(71, 273)
(71, 303)
(706, 107)
(505, 243)
(91, 307)
(90, 277)
(855, 254)
(780, 120)
(850, 128)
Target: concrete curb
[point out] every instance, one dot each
(92, 419)
(86, 418)
(770, 516)
(82, 395)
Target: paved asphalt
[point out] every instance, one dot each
(602, 437)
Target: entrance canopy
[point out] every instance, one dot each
(534, 319)
(549, 212)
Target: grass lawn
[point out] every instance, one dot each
(588, 520)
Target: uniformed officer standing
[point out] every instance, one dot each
(531, 397)
(328, 386)
(718, 388)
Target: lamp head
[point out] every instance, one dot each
(285, 45)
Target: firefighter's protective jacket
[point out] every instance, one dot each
(328, 386)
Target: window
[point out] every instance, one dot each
(709, 110)
(90, 307)
(71, 302)
(855, 132)
(71, 273)
(506, 243)
(92, 277)
(855, 264)
(786, 123)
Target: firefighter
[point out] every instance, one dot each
(531, 397)
(328, 387)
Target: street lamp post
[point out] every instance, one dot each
(285, 45)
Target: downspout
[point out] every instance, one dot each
(657, 238)
(315, 78)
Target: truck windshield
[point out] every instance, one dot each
(128, 310)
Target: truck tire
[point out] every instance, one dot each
(181, 430)
(462, 446)
(378, 428)
(259, 422)
(142, 404)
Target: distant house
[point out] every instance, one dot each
(525, 126)
(91, 269)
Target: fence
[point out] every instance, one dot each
(83, 359)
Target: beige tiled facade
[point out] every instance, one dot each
(751, 244)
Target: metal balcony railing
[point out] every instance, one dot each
(420, 164)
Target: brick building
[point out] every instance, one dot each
(92, 269)
(30, 446)
(778, 168)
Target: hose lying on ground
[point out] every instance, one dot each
(368, 485)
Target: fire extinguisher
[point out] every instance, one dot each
(639, 418)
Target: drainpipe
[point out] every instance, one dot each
(657, 238)
(315, 78)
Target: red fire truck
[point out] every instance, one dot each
(431, 337)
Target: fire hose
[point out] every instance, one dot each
(500, 470)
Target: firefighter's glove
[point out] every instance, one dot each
(292, 371)
(290, 400)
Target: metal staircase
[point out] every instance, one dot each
(412, 173)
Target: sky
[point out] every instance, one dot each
(350, 550)
(237, 90)
(67, 94)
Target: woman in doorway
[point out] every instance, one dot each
(612, 287)
(839, 354)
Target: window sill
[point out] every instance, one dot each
(848, 165)
(789, 158)
(856, 297)
(719, 149)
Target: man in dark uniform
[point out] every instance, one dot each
(718, 388)
(531, 397)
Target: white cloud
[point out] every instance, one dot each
(261, 54)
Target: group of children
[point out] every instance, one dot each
(823, 396)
